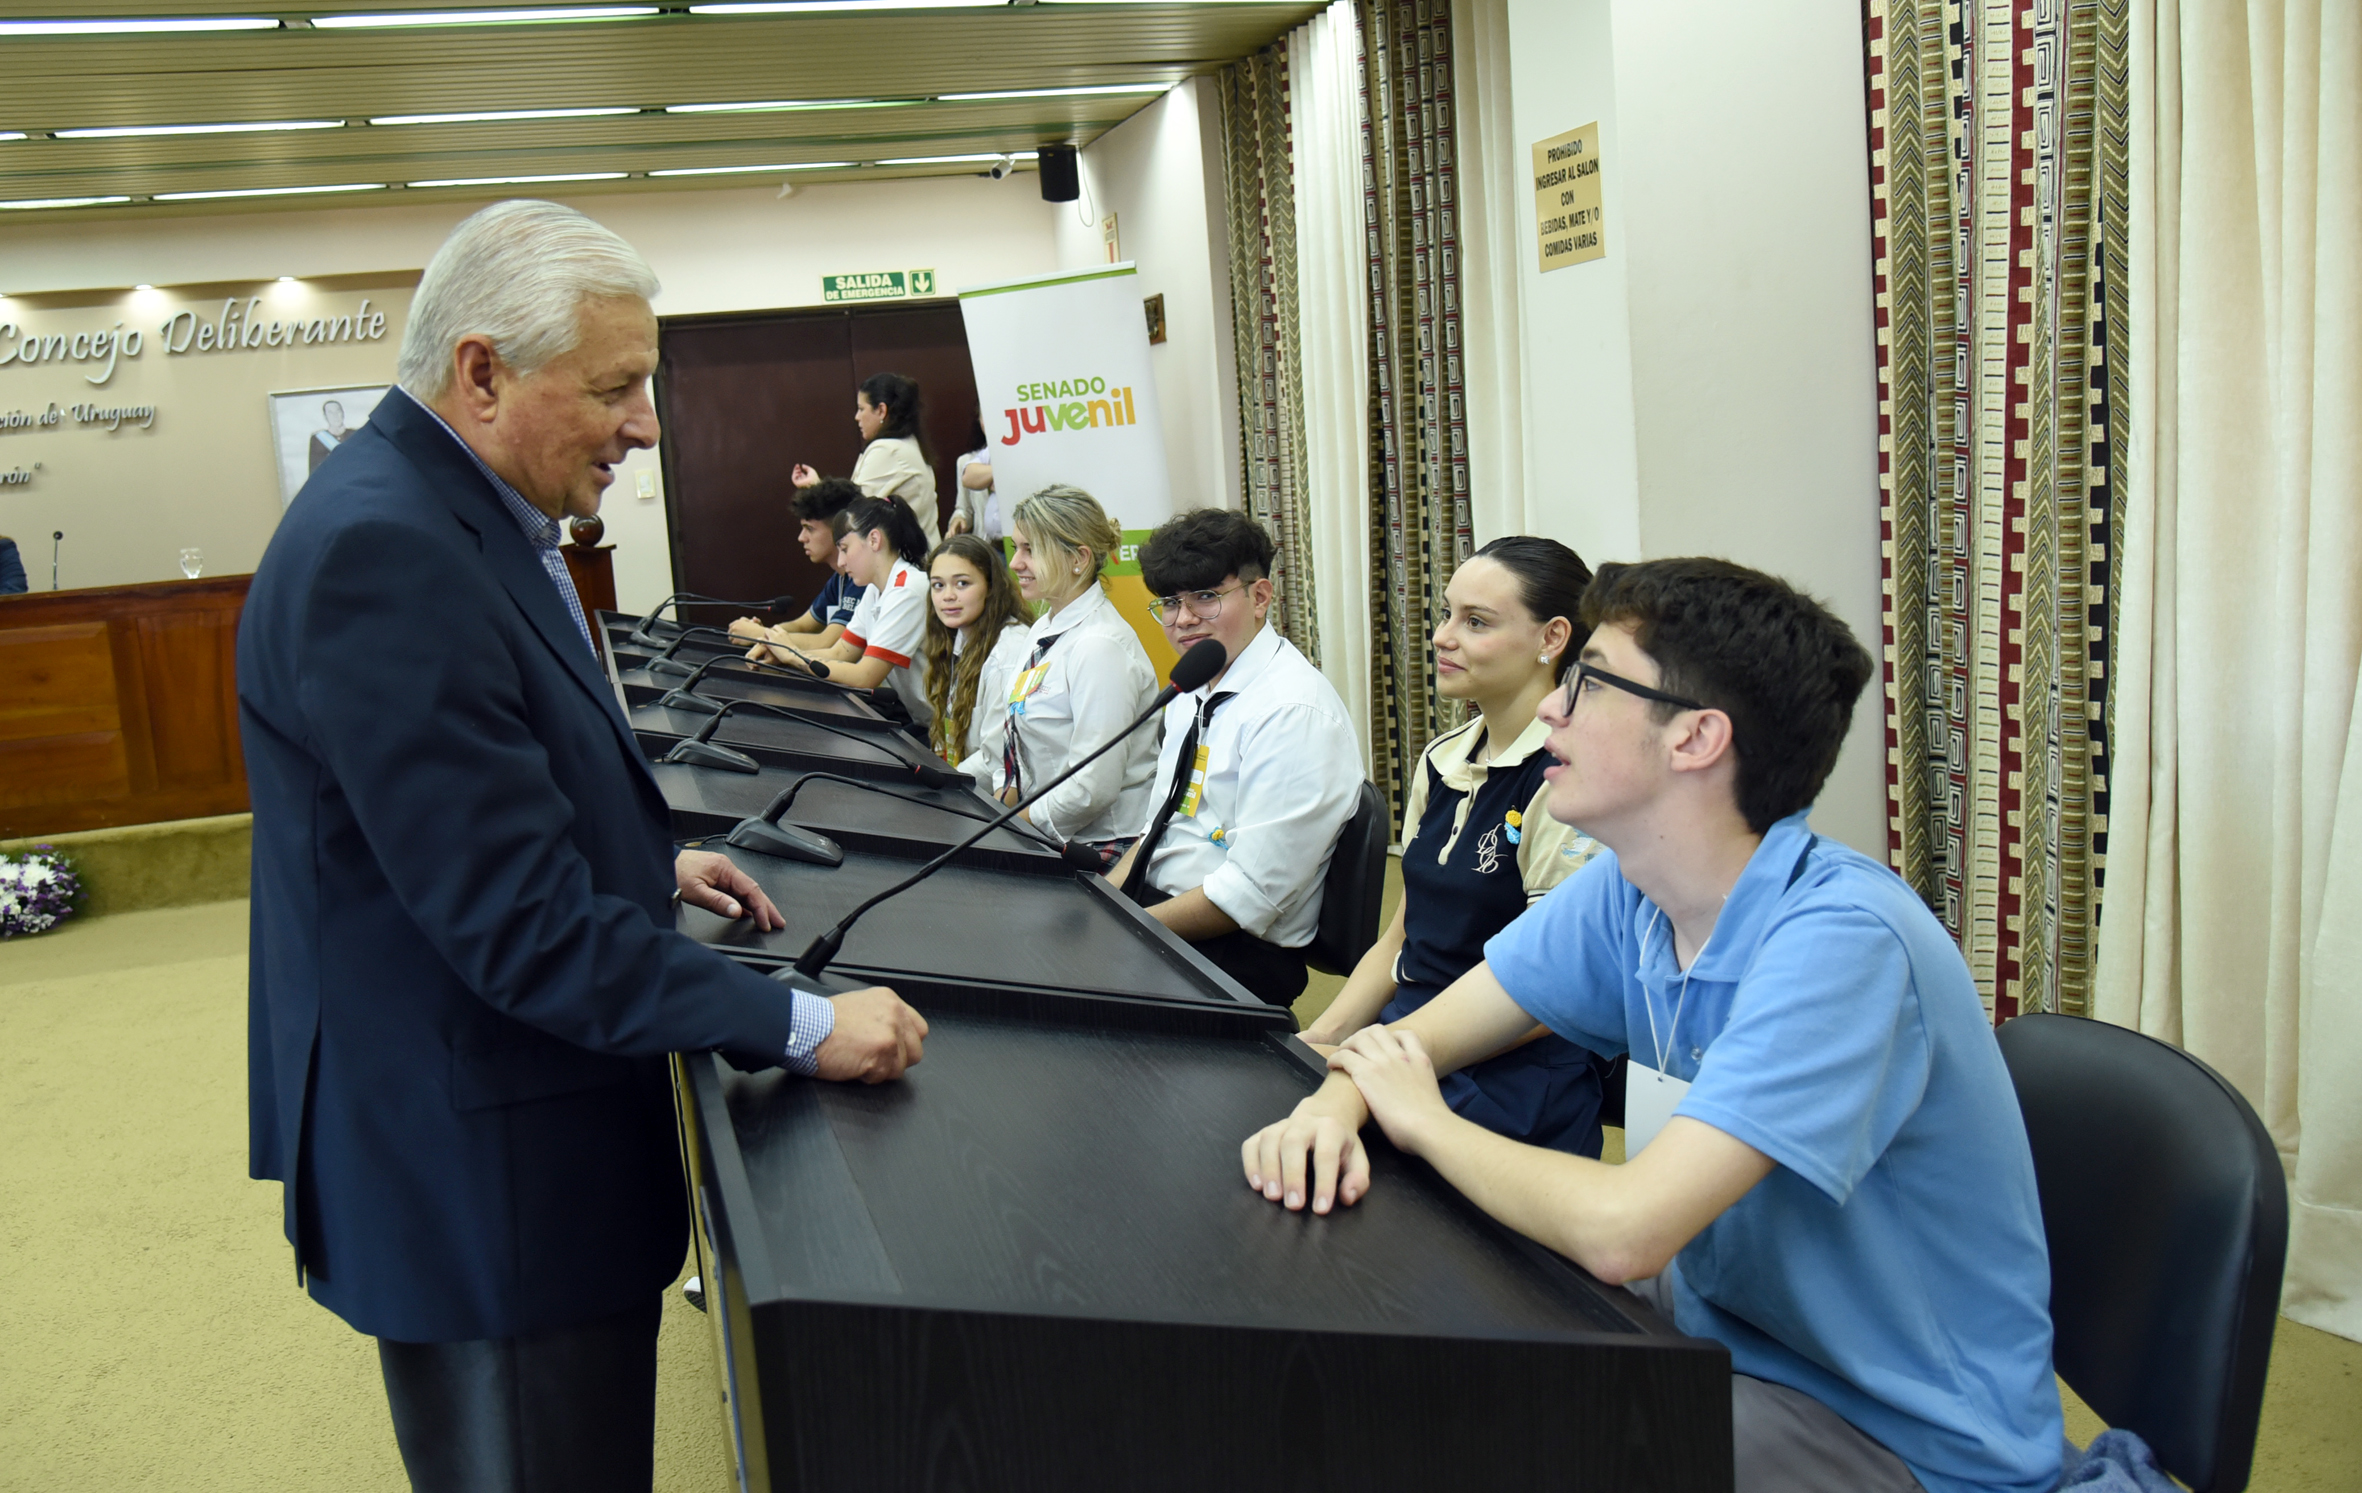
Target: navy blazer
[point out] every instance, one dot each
(464, 974)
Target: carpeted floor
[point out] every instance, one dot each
(153, 1336)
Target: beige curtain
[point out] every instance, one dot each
(2233, 921)
(1333, 318)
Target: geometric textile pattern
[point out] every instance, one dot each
(1999, 232)
(1258, 175)
(1419, 524)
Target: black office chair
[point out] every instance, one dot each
(2167, 1216)
(1354, 893)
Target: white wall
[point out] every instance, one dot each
(741, 248)
(1580, 450)
(1710, 386)
(1160, 173)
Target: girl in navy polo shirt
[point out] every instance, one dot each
(1478, 847)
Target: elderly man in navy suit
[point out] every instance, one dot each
(465, 976)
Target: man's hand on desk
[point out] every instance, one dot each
(876, 1037)
(1324, 1129)
(710, 881)
(749, 627)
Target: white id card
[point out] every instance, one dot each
(1649, 1098)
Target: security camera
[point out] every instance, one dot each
(1001, 167)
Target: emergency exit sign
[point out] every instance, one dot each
(877, 285)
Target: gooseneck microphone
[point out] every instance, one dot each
(665, 663)
(785, 798)
(702, 750)
(1196, 670)
(641, 635)
(684, 696)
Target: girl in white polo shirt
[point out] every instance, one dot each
(1085, 678)
(877, 540)
(976, 646)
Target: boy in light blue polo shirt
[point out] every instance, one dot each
(1828, 1171)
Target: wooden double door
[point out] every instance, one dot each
(746, 396)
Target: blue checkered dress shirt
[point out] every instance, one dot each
(812, 1018)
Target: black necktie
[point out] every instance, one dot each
(1184, 768)
(1011, 775)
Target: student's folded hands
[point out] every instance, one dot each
(1396, 1081)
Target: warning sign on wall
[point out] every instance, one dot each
(1566, 198)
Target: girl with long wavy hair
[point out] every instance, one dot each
(976, 645)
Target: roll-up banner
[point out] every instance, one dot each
(1068, 395)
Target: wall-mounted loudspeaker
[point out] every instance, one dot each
(1061, 182)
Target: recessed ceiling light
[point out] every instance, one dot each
(1056, 92)
(129, 28)
(143, 287)
(29, 203)
(487, 17)
(491, 115)
(773, 105)
(125, 131)
(823, 7)
(990, 155)
(519, 181)
(727, 170)
(349, 186)
(286, 279)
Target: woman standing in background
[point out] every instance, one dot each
(978, 505)
(976, 646)
(894, 462)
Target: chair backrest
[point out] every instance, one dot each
(2167, 1216)
(1352, 894)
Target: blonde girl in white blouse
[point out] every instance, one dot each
(1085, 678)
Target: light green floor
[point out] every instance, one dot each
(151, 1332)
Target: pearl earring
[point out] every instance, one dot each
(1544, 659)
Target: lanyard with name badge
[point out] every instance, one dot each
(1650, 1094)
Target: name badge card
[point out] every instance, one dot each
(1649, 1101)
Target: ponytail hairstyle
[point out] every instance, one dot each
(899, 398)
(901, 526)
(1550, 581)
(952, 678)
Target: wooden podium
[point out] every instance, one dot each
(119, 705)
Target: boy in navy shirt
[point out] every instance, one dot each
(1828, 1172)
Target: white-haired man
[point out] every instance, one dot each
(464, 974)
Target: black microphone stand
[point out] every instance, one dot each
(702, 750)
(817, 955)
(646, 639)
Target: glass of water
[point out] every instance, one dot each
(192, 563)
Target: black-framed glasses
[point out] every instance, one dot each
(1578, 671)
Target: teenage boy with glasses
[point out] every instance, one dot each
(1257, 773)
(1828, 1171)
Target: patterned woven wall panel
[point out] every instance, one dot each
(1997, 170)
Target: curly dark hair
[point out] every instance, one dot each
(824, 500)
(1198, 550)
(1781, 665)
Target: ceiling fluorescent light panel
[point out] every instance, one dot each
(736, 170)
(130, 131)
(493, 115)
(216, 196)
(486, 17)
(137, 28)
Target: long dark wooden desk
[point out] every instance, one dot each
(708, 802)
(1033, 1264)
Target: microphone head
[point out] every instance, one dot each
(1199, 665)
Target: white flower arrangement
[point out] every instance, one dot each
(38, 891)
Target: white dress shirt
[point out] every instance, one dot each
(1091, 684)
(1283, 774)
(981, 752)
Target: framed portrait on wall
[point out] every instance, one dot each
(308, 424)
